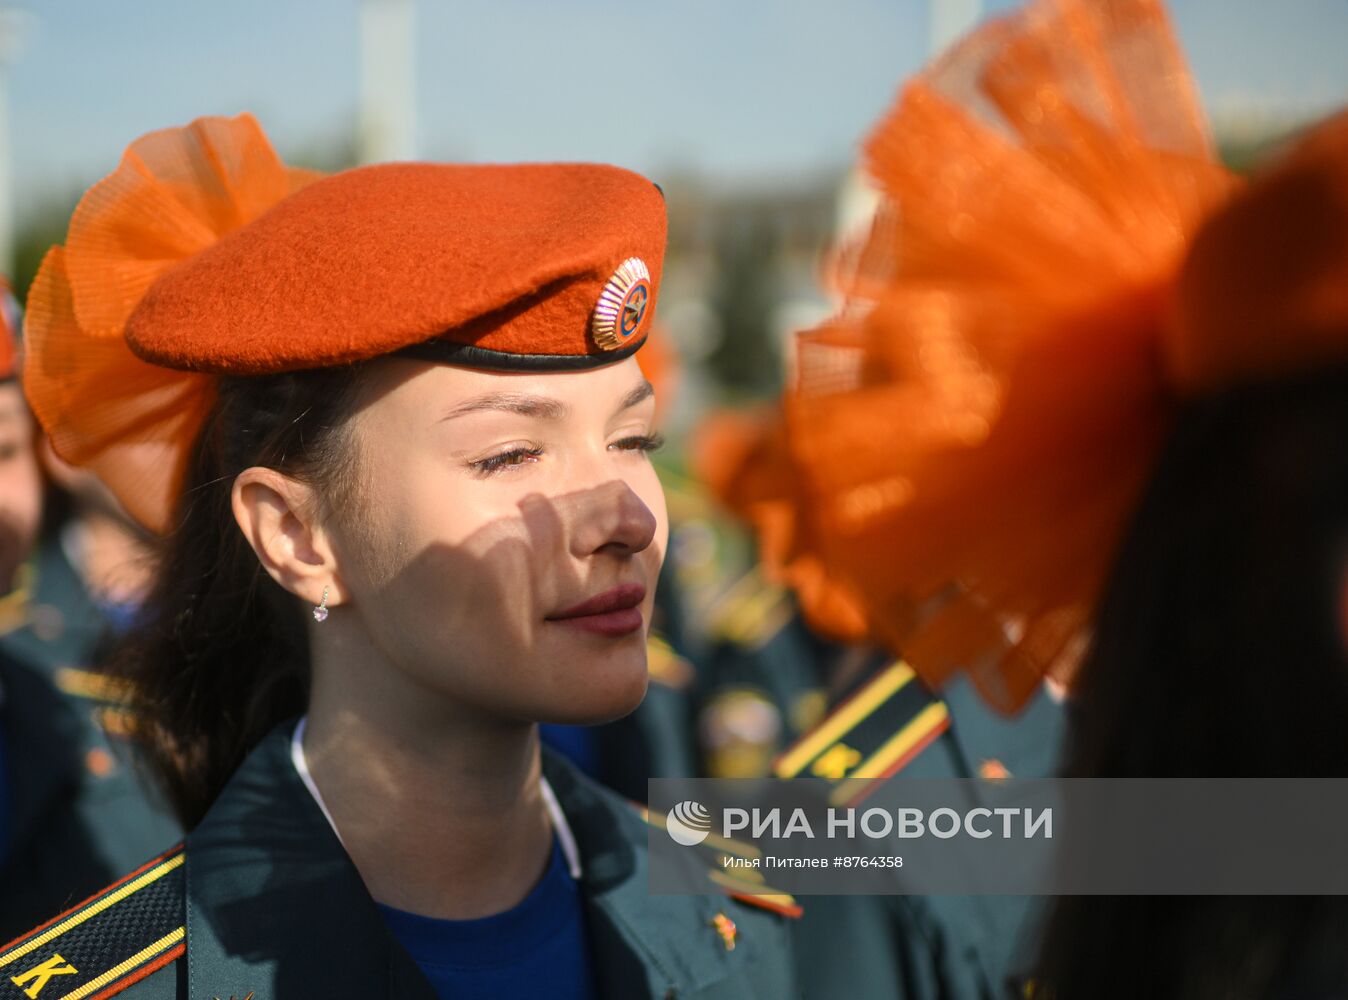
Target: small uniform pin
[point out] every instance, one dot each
(99, 762)
(726, 928)
(993, 769)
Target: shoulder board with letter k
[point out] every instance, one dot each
(873, 733)
(99, 948)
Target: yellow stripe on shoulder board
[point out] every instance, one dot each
(844, 719)
(140, 958)
(91, 684)
(930, 722)
(94, 908)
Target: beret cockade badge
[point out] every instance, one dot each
(621, 311)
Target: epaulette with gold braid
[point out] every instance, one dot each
(99, 948)
(873, 733)
(745, 884)
(751, 612)
(110, 696)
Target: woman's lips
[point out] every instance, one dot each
(615, 612)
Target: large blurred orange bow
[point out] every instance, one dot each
(1058, 261)
(176, 192)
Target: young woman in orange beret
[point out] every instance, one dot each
(391, 428)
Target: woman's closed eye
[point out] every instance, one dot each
(639, 442)
(518, 455)
(505, 460)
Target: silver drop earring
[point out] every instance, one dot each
(321, 608)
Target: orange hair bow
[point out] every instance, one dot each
(175, 192)
(1058, 261)
(744, 460)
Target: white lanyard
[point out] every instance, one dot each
(559, 823)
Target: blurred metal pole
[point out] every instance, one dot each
(388, 81)
(949, 20)
(858, 199)
(12, 23)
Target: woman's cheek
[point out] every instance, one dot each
(475, 568)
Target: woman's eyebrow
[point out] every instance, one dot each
(640, 394)
(511, 402)
(538, 406)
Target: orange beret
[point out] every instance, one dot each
(488, 266)
(204, 255)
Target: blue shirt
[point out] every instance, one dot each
(579, 744)
(540, 944)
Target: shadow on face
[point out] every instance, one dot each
(503, 552)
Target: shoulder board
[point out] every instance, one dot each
(873, 733)
(93, 685)
(99, 948)
(745, 884)
(111, 695)
(14, 605)
(751, 612)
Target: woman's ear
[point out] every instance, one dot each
(277, 515)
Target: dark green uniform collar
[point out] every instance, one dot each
(645, 945)
(275, 906)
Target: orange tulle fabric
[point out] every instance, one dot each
(1058, 261)
(744, 460)
(175, 192)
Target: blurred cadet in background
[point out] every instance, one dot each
(883, 723)
(1230, 595)
(1068, 319)
(762, 685)
(73, 813)
(1229, 589)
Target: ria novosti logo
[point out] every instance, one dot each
(688, 823)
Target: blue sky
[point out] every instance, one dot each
(738, 90)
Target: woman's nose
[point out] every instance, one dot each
(611, 517)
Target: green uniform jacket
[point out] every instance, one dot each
(938, 947)
(264, 902)
(78, 814)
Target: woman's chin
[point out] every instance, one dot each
(599, 701)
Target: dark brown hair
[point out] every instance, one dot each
(1218, 654)
(221, 655)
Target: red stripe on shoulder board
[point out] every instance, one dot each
(791, 909)
(172, 955)
(177, 849)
